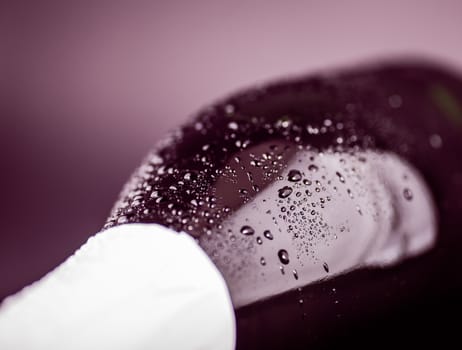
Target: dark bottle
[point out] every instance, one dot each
(331, 204)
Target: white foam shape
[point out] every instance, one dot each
(131, 287)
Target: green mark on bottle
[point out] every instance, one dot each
(447, 103)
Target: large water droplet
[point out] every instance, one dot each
(247, 230)
(294, 176)
(268, 235)
(285, 192)
(283, 256)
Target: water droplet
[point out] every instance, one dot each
(259, 240)
(262, 261)
(122, 219)
(307, 182)
(295, 274)
(247, 230)
(340, 177)
(294, 176)
(326, 267)
(285, 192)
(436, 141)
(407, 193)
(233, 126)
(283, 256)
(312, 167)
(243, 191)
(229, 109)
(268, 235)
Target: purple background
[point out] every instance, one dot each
(86, 89)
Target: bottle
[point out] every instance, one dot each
(329, 203)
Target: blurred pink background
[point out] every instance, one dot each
(87, 88)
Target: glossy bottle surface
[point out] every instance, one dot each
(328, 203)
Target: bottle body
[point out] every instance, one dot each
(323, 201)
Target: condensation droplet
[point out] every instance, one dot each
(295, 274)
(326, 267)
(407, 193)
(436, 141)
(294, 176)
(312, 167)
(229, 109)
(268, 235)
(233, 126)
(340, 177)
(122, 219)
(283, 256)
(285, 192)
(259, 240)
(247, 230)
(243, 191)
(262, 261)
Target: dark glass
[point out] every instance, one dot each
(294, 189)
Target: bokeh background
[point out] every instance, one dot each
(87, 87)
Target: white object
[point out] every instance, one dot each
(136, 286)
